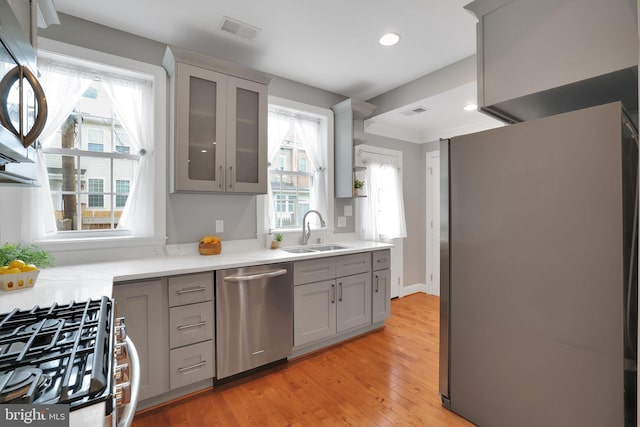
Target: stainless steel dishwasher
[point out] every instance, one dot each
(254, 317)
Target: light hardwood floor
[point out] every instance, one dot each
(388, 377)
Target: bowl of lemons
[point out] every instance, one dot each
(20, 265)
(17, 275)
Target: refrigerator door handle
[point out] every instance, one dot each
(445, 284)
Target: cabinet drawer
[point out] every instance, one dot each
(381, 260)
(190, 288)
(191, 364)
(314, 270)
(190, 324)
(348, 265)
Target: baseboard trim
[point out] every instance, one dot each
(413, 289)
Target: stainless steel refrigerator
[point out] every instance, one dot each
(539, 272)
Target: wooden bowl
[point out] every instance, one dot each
(210, 248)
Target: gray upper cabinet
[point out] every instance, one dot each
(144, 306)
(348, 125)
(544, 57)
(218, 126)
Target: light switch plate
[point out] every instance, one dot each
(348, 210)
(219, 226)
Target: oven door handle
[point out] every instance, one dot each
(130, 409)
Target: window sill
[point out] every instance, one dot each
(59, 244)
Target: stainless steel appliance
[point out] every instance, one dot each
(254, 317)
(539, 272)
(75, 354)
(23, 106)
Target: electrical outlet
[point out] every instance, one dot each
(342, 221)
(219, 226)
(348, 210)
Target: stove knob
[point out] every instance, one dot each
(121, 372)
(120, 330)
(121, 351)
(123, 394)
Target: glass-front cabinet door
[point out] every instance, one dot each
(246, 136)
(201, 128)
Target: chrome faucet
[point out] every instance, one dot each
(307, 234)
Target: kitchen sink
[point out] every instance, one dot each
(311, 249)
(298, 250)
(323, 248)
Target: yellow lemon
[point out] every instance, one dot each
(17, 263)
(10, 271)
(29, 267)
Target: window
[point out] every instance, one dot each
(381, 213)
(300, 166)
(290, 185)
(122, 192)
(102, 152)
(96, 136)
(93, 120)
(96, 186)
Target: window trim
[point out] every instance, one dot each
(101, 239)
(323, 114)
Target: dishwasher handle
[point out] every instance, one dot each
(257, 276)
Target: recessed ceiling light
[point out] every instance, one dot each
(470, 107)
(389, 39)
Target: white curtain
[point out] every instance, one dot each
(308, 133)
(133, 103)
(62, 87)
(279, 126)
(382, 211)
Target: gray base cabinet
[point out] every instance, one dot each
(381, 292)
(381, 295)
(314, 312)
(191, 340)
(354, 301)
(143, 304)
(332, 303)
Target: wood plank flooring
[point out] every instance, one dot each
(388, 377)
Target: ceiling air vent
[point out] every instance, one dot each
(239, 29)
(414, 111)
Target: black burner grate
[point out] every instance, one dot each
(65, 349)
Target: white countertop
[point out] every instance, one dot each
(81, 282)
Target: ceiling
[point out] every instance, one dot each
(330, 44)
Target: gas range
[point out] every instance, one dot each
(73, 354)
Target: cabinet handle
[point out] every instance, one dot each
(333, 293)
(188, 368)
(16, 75)
(193, 325)
(258, 276)
(231, 181)
(340, 288)
(189, 290)
(381, 260)
(221, 178)
(377, 283)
